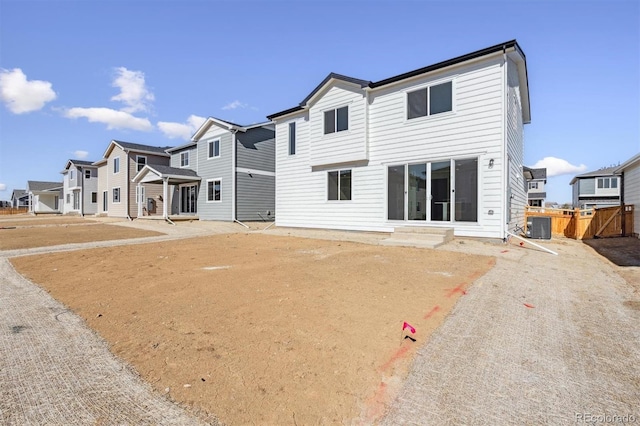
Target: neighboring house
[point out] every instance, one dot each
(19, 198)
(226, 172)
(536, 180)
(600, 188)
(441, 146)
(80, 187)
(44, 197)
(120, 163)
(630, 175)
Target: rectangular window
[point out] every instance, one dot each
(214, 190)
(336, 120)
(68, 198)
(533, 185)
(614, 182)
(105, 196)
(116, 165)
(71, 174)
(292, 138)
(184, 159)
(214, 148)
(87, 174)
(94, 197)
(431, 100)
(116, 195)
(141, 161)
(339, 185)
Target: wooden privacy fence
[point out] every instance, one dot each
(13, 210)
(587, 223)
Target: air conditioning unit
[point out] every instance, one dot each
(539, 227)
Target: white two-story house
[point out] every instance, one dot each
(440, 146)
(536, 180)
(600, 188)
(80, 187)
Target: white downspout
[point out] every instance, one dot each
(233, 175)
(165, 195)
(139, 199)
(505, 149)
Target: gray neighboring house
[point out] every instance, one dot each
(19, 198)
(599, 188)
(226, 173)
(44, 197)
(536, 180)
(630, 174)
(80, 187)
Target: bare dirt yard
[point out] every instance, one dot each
(51, 231)
(263, 329)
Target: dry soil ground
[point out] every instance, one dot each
(44, 231)
(259, 328)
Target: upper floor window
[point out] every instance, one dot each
(339, 185)
(533, 185)
(336, 120)
(141, 161)
(116, 165)
(87, 174)
(292, 138)
(430, 100)
(71, 174)
(214, 148)
(605, 183)
(184, 159)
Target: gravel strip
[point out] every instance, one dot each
(575, 353)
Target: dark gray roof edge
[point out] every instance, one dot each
(132, 146)
(473, 55)
(333, 75)
(180, 147)
(537, 173)
(606, 171)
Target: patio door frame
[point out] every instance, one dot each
(189, 199)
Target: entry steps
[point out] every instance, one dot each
(419, 236)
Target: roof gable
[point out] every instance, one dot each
(223, 124)
(35, 185)
(137, 148)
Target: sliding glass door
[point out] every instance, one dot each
(441, 191)
(188, 199)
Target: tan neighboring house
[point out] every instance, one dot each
(120, 163)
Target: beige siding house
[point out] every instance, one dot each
(121, 162)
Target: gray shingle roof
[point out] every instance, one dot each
(140, 147)
(17, 193)
(35, 185)
(81, 162)
(606, 171)
(537, 173)
(167, 170)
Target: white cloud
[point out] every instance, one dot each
(80, 154)
(234, 105)
(112, 118)
(181, 130)
(3, 187)
(21, 95)
(558, 166)
(133, 91)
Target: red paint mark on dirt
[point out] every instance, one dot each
(459, 289)
(529, 305)
(396, 356)
(376, 404)
(432, 312)
(504, 251)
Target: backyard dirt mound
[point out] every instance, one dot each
(263, 329)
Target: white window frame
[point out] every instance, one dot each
(335, 118)
(138, 157)
(327, 186)
(292, 141)
(70, 174)
(116, 165)
(94, 198)
(113, 195)
(184, 155)
(533, 185)
(140, 195)
(207, 190)
(428, 87)
(209, 144)
(87, 171)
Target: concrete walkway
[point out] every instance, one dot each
(573, 356)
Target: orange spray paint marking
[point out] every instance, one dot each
(376, 404)
(458, 289)
(396, 356)
(528, 305)
(431, 312)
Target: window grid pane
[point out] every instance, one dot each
(440, 99)
(345, 184)
(332, 189)
(329, 121)
(342, 119)
(417, 104)
(216, 190)
(292, 138)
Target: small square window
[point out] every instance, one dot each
(339, 185)
(214, 190)
(336, 120)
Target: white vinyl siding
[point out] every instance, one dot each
(343, 146)
(475, 129)
(632, 193)
(516, 194)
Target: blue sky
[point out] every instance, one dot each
(76, 74)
